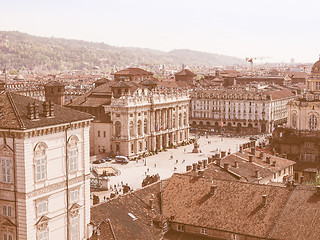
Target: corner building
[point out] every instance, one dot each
(44, 183)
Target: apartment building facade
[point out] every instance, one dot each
(45, 185)
(239, 109)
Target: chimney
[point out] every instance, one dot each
(45, 106)
(257, 174)
(194, 167)
(236, 164)
(274, 163)
(268, 160)
(151, 205)
(250, 158)
(213, 189)
(210, 159)
(261, 155)
(200, 164)
(188, 168)
(240, 148)
(30, 111)
(150, 220)
(51, 109)
(301, 179)
(253, 151)
(218, 162)
(36, 110)
(264, 200)
(205, 163)
(201, 173)
(223, 154)
(226, 166)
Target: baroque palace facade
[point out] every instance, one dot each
(299, 139)
(134, 115)
(147, 120)
(240, 109)
(44, 156)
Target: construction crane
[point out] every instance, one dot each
(250, 60)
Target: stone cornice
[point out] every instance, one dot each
(55, 186)
(44, 130)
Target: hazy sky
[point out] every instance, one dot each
(278, 29)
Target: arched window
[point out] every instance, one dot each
(131, 128)
(139, 126)
(313, 122)
(180, 119)
(118, 129)
(294, 120)
(145, 126)
(40, 161)
(73, 153)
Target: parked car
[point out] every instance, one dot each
(121, 159)
(98, 161)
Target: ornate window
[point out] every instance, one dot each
(7, 211)
(74, 196)
(294, 120)
(118, 129)
(73, 153)
(139, 126)
(313, 122)
(74, 225)
(6, 170)
(42, 207)
(185, 119)
(180, 120)
(40, 161)
(131, 128)
(7, 236)
(145, 126)
(43, 235)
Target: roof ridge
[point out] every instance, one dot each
(15, 110)
(113, 234)
(280, 215)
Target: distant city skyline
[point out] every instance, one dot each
(278, 30)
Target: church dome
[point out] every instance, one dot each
(316, 68)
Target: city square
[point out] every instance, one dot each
(167, 162)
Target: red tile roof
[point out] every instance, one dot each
(279, 94)
(185, 72)
(236, 207)
(133, 71)
(14, 107)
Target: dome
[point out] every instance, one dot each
(316, 68)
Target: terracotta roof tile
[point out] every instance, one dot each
(185, 72)
(237, 207)
(133, 71)
(15, 113)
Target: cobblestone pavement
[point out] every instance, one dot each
(168, 162)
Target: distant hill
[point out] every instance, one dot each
(24, 51)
